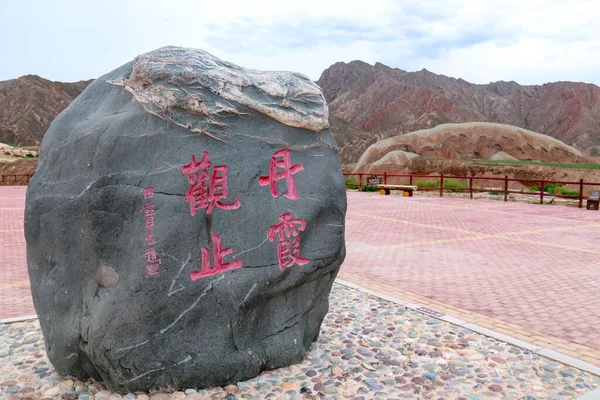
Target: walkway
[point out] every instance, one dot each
(15, 297)
(529, 271)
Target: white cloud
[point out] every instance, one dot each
(530, 41)
(309, 61)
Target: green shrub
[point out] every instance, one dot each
(455, 185)
(351, 183)
(567, 192)
(369, 189)
(554, 188)
(449, 183)
(29, 155)
(551, 188)
(8, 153)
(427, 183)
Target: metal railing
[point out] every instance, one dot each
(505, 190)
(15, 179)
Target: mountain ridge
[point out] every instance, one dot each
(384, 102)
(368, 103)
(29, 104)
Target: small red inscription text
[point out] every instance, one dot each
(149, 192)
(152, 260)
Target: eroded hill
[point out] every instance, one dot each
(378, 102)
(29, 104)
(468, 141)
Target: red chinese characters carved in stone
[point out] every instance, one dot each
(288, 249)
(149, 192)
(150, 254)
(219, 254)
(208, 187)
(150, 239)
(152, 262)
(148, 211)
(281, 167)
(152, 270)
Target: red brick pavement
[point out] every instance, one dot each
(533, 266)
(536, 266)
(15, 297)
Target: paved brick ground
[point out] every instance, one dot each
(15, 297)
(530, 266)
(531, 271)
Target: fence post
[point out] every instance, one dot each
(385, 177)
(541, 192)
(505, 187)
(410, 180)
(580, 193)
(360, 182)
(441, 185)
(471, 187)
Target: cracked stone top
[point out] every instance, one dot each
(198, 91)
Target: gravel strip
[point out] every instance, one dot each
(369, 348)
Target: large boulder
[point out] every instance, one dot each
(185, 223)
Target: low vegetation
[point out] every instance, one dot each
(454, 185)
(532, 162)
(429, 183)
(21, 153)
(461, 185)
(555, 188)
(352, 183)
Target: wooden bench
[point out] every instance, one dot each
(407, 190)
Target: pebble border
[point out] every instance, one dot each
(372, 346)
(541, 351)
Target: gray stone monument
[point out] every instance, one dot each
(185, 223)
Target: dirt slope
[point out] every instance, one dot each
(29, 104)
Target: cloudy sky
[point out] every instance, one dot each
(529, 41)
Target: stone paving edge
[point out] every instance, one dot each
(593, 394)
(541, 351)
(18, 319)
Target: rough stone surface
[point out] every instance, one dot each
(111, 313)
